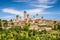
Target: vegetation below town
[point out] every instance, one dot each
(18, 33)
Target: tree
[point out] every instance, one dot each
(26, 27)
(58, 26)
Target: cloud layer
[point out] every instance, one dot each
(40, 5)
(7, 17)
(29, 11)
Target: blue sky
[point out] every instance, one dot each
(49, 9)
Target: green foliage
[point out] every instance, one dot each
(17, 33)
(56, 27)
(59, 27)
(26, 26)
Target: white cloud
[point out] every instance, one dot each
(7, 17)
(46, 1)
(29, 11)
(42, 6)
(12, 11)
(34, 11)
(42, 3)
(38, 3)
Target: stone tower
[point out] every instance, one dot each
(25, 15)
(42, 18)
(28, 18)
(2, 24)
(17, 16)
(37, 16)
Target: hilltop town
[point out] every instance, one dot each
(34, 23)
(29, 29)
